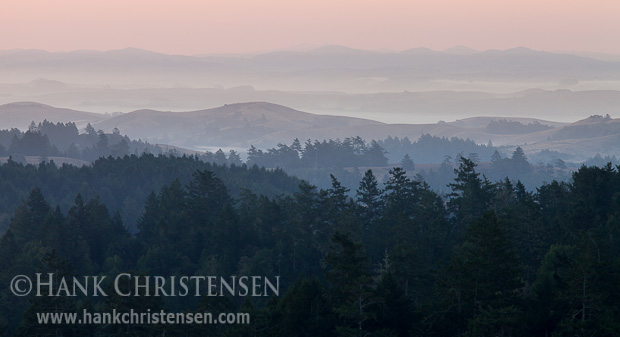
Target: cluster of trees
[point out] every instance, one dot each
(63, 139)
(600, 161)
(352, 152)
(492, 259)
(505, 127)
(220, 158)
(316, 161)
(432, 149)
(515, 167)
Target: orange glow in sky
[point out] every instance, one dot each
(239, 26)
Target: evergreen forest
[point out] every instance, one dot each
(386, 258)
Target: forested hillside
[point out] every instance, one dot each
(310, 160)
(347, 159)
(492, 259)
(47, 139)
(124, 183)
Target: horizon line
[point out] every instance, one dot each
(454, 49)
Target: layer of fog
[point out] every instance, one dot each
(413, 86)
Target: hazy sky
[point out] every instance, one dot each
(235, 26)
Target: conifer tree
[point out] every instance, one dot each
(470, 196)
(368, 197)
(482, 279)
(351, 292)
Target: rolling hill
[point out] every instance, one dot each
(233, 125)
(265, 125)
(20, 114)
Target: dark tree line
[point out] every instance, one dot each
(502, 126)
(432, 149)
(352, 152)
(492, 259)
(123, 184)
(311, 161)
(516, 167)
(47, 139)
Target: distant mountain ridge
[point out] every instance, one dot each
(139, 66)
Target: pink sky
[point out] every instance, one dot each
(238, 26)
